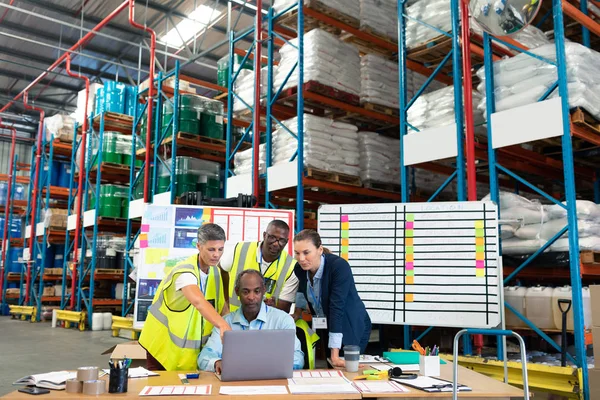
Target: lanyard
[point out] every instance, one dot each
(276, 262)
(317, 302)
(200, 276)
(261, 322)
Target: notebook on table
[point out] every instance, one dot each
(51, 380)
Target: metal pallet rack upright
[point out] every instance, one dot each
(567, 132)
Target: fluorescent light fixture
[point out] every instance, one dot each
(198, 19)
(247, 5)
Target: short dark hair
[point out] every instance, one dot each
(278, 224)
(208, 232)
(238, 280)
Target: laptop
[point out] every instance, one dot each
(258, 355)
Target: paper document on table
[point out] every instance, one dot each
(385, 367)
(252, 390)
(139, 372)
(380, 387)
(323, 389)
(431, 384)
(324, 377)
(185, 390)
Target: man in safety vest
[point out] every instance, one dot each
(271, 260)
(188, 303)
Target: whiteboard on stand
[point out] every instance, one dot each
(428, 264)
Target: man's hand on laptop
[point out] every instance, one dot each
(222, 329)
(218, 368)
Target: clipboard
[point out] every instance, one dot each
(431, 385)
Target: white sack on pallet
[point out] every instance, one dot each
(350, 8)
(530, 37)
(547, 230)
(516, 246)
(379, 81)
(523, 79)
(61, 127)
(380, 16)
(327, 60)
(379, 158)
(587, 243)
(242, 161)
(244, 88)
(328, 145)
(585, 209)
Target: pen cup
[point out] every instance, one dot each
(352, 357)
(117, 380)
(429, 365)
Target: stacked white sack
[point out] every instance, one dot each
(350, 8)
(436, 109)
(523, 79)
(242, 161)
(328, 145)
(530, 37)
(379, 158)
(244, 88)
(380, 16)
(327, 60)
(379, 81)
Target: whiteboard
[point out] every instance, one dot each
(430, 264)
(168, 235)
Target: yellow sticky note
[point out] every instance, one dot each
(151, 275)
(480, 241)
(409, 242)
(410, 280)
(409, 298)
(478, 224)
(345, 225)
(410, 257)
(156, 256)
(480, 273)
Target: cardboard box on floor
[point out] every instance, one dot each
(594, 383)
(131, 350)
(595, 303)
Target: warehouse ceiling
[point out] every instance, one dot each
(34, 33)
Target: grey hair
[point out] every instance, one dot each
(208, 232)
(238, 280)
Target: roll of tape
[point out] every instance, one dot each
(74, 386)
(87, 374)
(94, 387)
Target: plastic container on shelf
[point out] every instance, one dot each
(565, 293)
(515, 296)
(114, 97)
(111, 201)
(3, 192)
(99, 109)
(538, 307)
(59, 254)
(110, 147)
(16, 255)
(19, 191)
(190, 112)
(211, 121)
(192, 175)
(130, 100)
(223, 68)
(64, 175)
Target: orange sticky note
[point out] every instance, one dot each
(480, 241)
(410, 257)
(143, 236)
(479, 256)
(410, 280)
(345, 242)
(409, 242)
(345, 257)
(409, 298)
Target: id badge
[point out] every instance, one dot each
(319, 323)
(270, 285)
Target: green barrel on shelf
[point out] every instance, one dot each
(191, 175)
(190, 109)
(223, 67)
(211, 122)
(111, 201)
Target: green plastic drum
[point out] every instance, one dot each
(211, 126)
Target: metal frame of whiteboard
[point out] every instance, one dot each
(169, 223)
(375, 221)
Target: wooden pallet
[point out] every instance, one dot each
(109, 271)
(386, 187)
(333, 177)
(13, 275)
(115, 122)
(589, 257)
(433, 52)
(583, 118)
(13, 291)
(367, 47)
(290, 20)
(289, 95)
(53, 271)
(393, 112)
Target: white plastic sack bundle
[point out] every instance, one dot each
(526, 216)
(350, 8)
(547, 230)
(380, 16)
(507, 231)
(585, 209)
(515, 246)
(587, 243)
(433, 12)
(512, 200)
(379, 81)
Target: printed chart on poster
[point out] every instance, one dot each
(168, 236)
(431, 264)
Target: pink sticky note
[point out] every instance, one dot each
(480, 264)
(145, 228)
(345, 218)
(409, 265)
(410, 225)
(143, 244)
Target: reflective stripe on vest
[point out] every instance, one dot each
(282, 276)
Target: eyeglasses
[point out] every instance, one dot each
(272, 239)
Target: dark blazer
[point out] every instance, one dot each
(342, 306)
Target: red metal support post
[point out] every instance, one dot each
(34, 191)
(78, 204)
(7, 205)
(468, 100)
(257, 83)
(150, 95)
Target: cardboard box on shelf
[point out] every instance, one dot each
(131, 350)
(595, 303)
(594, 383)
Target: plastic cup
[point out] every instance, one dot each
(352, 357)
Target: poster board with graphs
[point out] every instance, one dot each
(168, 235)
(429, 264)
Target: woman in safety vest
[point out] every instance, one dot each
(188, 303)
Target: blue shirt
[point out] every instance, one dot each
(314, 296)
(268, 318)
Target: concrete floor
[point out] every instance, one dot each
(27, 348)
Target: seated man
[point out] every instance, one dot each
(253, 314)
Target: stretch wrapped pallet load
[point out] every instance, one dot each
(379, 81)
(327, 60)
(380, 17)
(351, 8)
(522, 80)
(244, 89)
(436, 109)
(379, 158)
(242, 161)
(61, 127)
(328, 145)
(91, 103)
(55, 218)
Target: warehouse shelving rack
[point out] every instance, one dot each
(566, 164)
(6, 254)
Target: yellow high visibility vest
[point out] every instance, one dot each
(308, 342)
(245, 258)
(174, 331)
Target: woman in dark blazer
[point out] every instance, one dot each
(326, 288)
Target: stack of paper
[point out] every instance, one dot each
(183, 390)
(253, 390)
(380, 387)
(320, 382)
